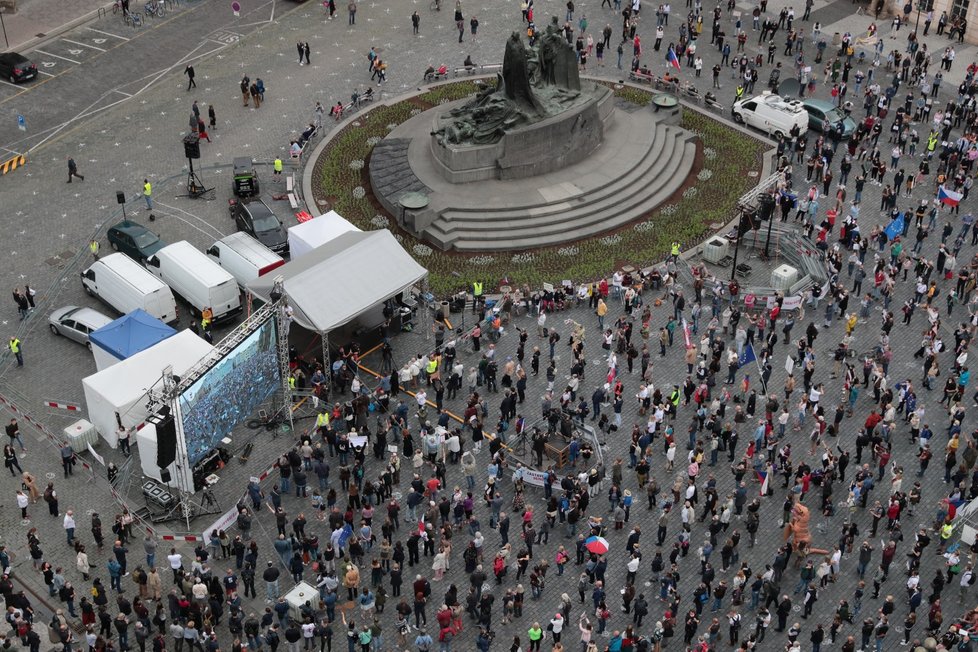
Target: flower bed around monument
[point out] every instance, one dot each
(709, 197)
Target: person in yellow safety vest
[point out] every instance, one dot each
(932, 141)
(322, 422)
(675, 251)
(674, 400)
(292, 381)
(277, 168)
(15, 349)
(93, 247)
(476, 295)
(148, 193)
(946, 531)
(740, 93)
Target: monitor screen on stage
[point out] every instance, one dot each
(230, 391)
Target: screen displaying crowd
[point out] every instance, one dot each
(230, 391)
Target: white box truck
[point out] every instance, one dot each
(125, 285)
(196, 279)
(244, 257)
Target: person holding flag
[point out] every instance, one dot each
(949, 197)
(671, 57)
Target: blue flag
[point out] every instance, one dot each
(895, 227)
(747, 355)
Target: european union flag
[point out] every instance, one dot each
(895, 227)
(747, 355)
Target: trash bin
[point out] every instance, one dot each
(445, 310)
(837, 39)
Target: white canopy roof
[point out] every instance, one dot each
(342, 279)
(305, 237)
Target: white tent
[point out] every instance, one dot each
(305, 237)
(343, 278)
(121, 389)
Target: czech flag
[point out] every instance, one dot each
(673, 59)
(763, 477)
(949, 197)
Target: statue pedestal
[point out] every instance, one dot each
(528, 151)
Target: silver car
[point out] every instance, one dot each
(76, 323)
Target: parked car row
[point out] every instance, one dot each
(149, 273)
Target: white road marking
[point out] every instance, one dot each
(84, 45)
(48, 54)
(108, 33)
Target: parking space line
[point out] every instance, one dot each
(108, 33)
(45, 73)
(116, 90)
(84, 45)
(48, 54)
(9, 84)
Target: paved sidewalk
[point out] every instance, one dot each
(37, 20)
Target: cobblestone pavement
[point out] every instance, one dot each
(117, 148)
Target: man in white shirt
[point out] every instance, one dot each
(176, 563)
(69, 525)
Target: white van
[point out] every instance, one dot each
(772, 114)
(125, 285)
(197, 279)
(244, 257)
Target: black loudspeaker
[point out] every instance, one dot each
(765, 206)
(748, 221)
(120, 197)
(166, 441)
(191, 146)
(165, 476)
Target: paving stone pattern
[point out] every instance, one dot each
(139, 138)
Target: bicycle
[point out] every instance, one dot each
(133, 19)
(155, 7)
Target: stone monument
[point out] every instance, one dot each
(538, 117)
(536, 157)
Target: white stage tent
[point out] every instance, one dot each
(340, 280)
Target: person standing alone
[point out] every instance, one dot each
(73, 170)
(148, 193)
(15, 349)
(190, 73)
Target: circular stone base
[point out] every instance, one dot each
(641, 162)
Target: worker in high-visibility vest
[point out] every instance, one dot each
(322, 422)
(674, 252)
(476, 295)
(148, 193)
(945, 533)
(93, 246)
(15, 349)
(277, 168)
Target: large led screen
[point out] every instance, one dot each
(230, 391)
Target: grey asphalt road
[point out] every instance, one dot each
(107, 63)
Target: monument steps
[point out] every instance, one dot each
(594, 222)
(658, 174)
(645, 176)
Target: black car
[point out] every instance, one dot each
(16, 67)
(258, 220)
(134, 240)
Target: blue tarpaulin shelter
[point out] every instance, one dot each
(127, 336)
